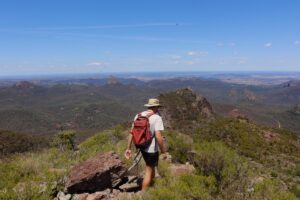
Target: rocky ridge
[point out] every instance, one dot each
(184, 108)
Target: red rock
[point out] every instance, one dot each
(96, 174)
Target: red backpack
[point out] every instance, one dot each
(140, 131)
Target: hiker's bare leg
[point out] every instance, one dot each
(153, 173)
(149, 174)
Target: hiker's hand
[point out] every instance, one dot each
(127, 154)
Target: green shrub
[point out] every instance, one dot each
(239, 135)
(184, 187)
(164, 168)
(178, 146)
(65, 140)
(217, 160)
(296, 190)
(271, 190)
(118, 134)
(296, 171)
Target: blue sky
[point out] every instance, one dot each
(85, 36)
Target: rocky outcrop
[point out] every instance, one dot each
(111, 80)
(96, 174)
(24, 85)
(271, 136)
(184, 107)
(236, 113)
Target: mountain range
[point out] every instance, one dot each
(89, 105)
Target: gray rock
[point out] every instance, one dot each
(129, 187)
(132, 179)
(62, 196)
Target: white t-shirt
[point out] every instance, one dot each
(156, 124)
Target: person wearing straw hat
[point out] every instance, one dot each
(150, 154)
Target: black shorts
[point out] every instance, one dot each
(151, 159)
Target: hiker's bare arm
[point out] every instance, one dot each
(160, 141)
(129, 141)
(128, 150)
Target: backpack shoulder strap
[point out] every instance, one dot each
(149, 115)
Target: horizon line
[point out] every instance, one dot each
(144, 72)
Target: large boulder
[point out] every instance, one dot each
(96, 174)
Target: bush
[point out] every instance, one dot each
(271, 190)
(118, 134)
(230, 171)
(164, 168)
(179, 146)
(184, 187)
(65, 140)
(296, 190)
(239, 135)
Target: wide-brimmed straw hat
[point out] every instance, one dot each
(152, 103)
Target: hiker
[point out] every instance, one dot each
(149, 150)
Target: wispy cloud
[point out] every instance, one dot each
(197, 53)
(268, 45)
(97, 64)
(297, 42)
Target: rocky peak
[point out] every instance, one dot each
(111, 80)
(24, 85)
(184, 107)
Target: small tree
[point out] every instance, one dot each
(65, 140)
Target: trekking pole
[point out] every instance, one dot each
(136, 160)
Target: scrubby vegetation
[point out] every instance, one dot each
(40, 175)
(222, 171)
(233, 160)
(274, 152)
